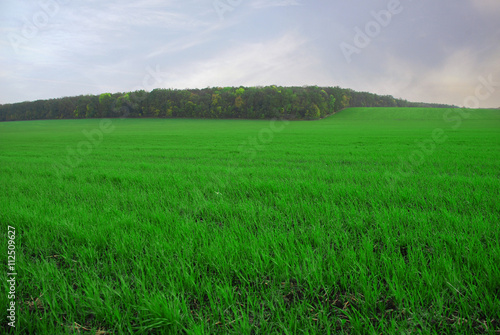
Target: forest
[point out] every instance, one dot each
(293, 103)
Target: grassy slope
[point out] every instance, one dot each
(180, 224)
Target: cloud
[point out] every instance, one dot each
(428, 53)
(260, 4)
(451, 82)
(490, 7)
(284, 60)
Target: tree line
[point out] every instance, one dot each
(299, 103)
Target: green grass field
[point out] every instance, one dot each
(370, 221)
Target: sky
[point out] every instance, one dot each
(445, 51)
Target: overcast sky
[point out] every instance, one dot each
(426, 50)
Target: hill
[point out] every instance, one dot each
(293, 103)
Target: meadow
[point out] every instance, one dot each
(370, 221)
